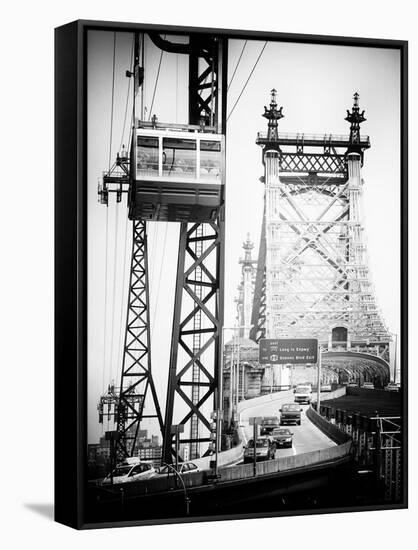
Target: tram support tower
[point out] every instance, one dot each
(176, 173)
(313, 279)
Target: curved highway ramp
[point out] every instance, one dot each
(307, 437)
(316, 467)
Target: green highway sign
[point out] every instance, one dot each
(291, 351)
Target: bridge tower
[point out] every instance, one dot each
(313, 278)
(246, 289)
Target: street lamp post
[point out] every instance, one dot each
(234, 376)
(176, 430)
(177, 473)
(318, 382)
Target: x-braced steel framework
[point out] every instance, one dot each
(312, 163)
(136, 377)
(198, 310)
(195, 355)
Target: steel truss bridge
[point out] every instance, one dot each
(312, 276)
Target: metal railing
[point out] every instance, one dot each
(377, 444)
(320, 138)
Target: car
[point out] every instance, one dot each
(352, 385)
(128, 472)
(290, 412)
(303, 393)
(326, 387)
(283, 437)
(392, 386)
(183, 468)
(268, 424)
(265, 449)
(368, 386)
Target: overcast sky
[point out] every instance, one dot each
(315, 86)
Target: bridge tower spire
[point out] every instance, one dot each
(273, 115)
(355, 118)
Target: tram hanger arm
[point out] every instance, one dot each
(173, 47)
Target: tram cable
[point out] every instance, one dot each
(127, 96)
(237, 65)
(113, 100)
(159, 278)
(247, 81)
(107, 221)
(156, 83)
(115, 263)
(105, 299)
(125, 290)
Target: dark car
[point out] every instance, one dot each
(283, 437)
(265, 449)
(290, 413)
(183, 468)
(268, 424)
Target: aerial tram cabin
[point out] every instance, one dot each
(177, 172)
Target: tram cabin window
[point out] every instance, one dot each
(179, 158)
(210, 159)
(147, 155)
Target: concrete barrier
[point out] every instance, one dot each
(329, 429)
(224, 458)
(283, 464)
(339, 392)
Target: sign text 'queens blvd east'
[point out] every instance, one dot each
(288, 350)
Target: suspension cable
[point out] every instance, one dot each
(236, 66)
(248, 79)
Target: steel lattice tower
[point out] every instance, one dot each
(313, 278)
(198, 204)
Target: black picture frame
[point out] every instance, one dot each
(71, 259)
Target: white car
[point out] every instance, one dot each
(183, 468)
(128, 472)
(326, 387)
(368, 386)
(392, 386)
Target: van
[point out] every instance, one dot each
(303, 394)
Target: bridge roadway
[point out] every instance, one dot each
(307, 437)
